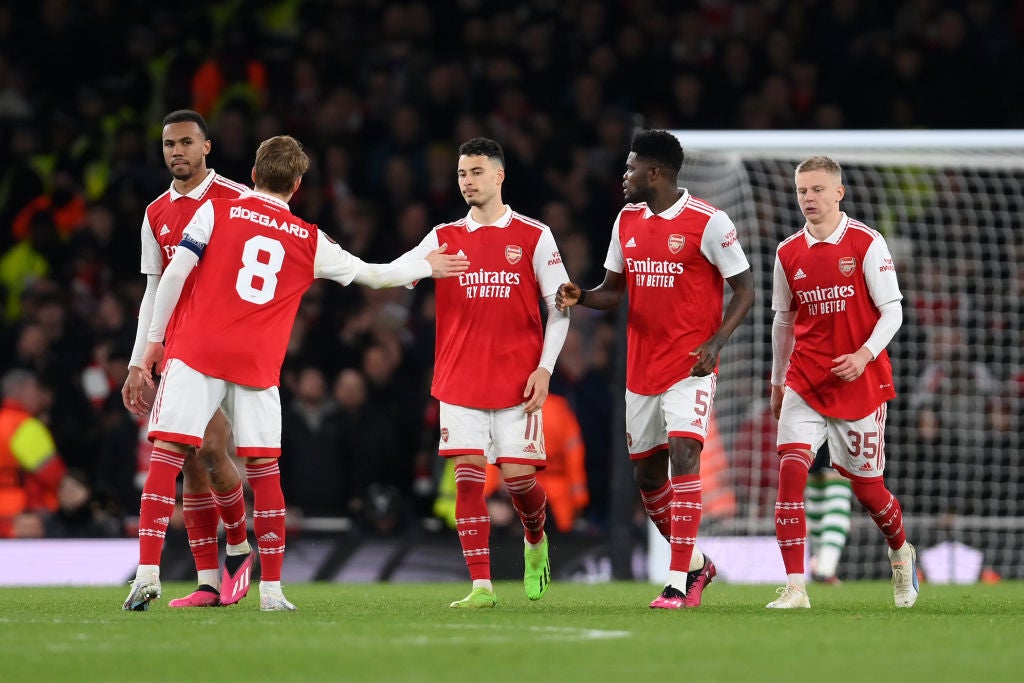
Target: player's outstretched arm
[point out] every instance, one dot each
(443, 264)
(606, 295)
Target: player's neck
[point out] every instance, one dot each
(286, 197)
(824, 229)
(190, 183)
(488, 214)
(662, 201)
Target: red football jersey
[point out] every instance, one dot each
(165, 220)
(257, 260)
(675, 264)
(836, 286)
(489, 334)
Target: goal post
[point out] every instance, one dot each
(951, 207)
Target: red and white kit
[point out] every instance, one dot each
(165, 221)
(250, 281)
(675, 264)
(835, 287)
(489, 332)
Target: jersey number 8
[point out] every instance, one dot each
(262, 259)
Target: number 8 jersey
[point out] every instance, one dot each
(248, 286)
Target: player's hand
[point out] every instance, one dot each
(131, 392)
(850, 366)
(567, 296)
(778, 391)
(154, 354)
(446, 265)
(707, 357)
(536, 390)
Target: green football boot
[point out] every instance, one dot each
(478, 598)
(537, 570)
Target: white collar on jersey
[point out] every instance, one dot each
(836, 235)
(502, 222)
(672, 211)
(199, 190)
(267, 198)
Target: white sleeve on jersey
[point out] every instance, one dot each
(721, 246)
(614, 261)
(152, 259)
(169, 291)
(782, 295)
(880, 274)
(426, 245)
(334, 263)
(888, 324)
(555, 332)
(200, 227)
(783, 341)
(547, 265)
(145, 318)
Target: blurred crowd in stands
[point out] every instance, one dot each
(381, 93)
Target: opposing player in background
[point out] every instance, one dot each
(258, 260)
(206, 498)
(493, 363)
(837, 306)
(828, 496)
(671, 252)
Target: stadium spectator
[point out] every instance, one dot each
(260, 300)
(837, 306)
(206, 498)
(671, 252)
(491, 410)
(30, 467)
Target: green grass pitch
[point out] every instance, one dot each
(592, 633)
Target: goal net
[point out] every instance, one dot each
(951, 207)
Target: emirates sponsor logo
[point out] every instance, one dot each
(675, 243)
(847, 265)
(513, 253)
(444, 434)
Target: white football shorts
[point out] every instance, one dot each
(187, 400)
(505, 435)
(856, 447)
(683, 410)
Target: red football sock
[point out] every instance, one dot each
(884, 509)
(530, 501)
(268, 517)
(232, 510)
(201, 519)
(158, 494)
(658, 504)
(686, 510)
(790, 516)
(472, 520)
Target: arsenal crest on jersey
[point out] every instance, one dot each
(675, 243)
(444, 434)
(513, 252)
(847, 265)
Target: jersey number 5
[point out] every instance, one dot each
(262, 258)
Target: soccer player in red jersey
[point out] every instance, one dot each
(672, 253)
(837, 306)
(186, 144)
(493, 363)
(257, 261)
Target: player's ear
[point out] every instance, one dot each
(840, 192)
(298, 182)
(253, 176)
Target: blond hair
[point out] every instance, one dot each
(821, 163)
(280, 161)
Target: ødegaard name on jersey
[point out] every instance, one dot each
(264, 219)
(489, 284)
